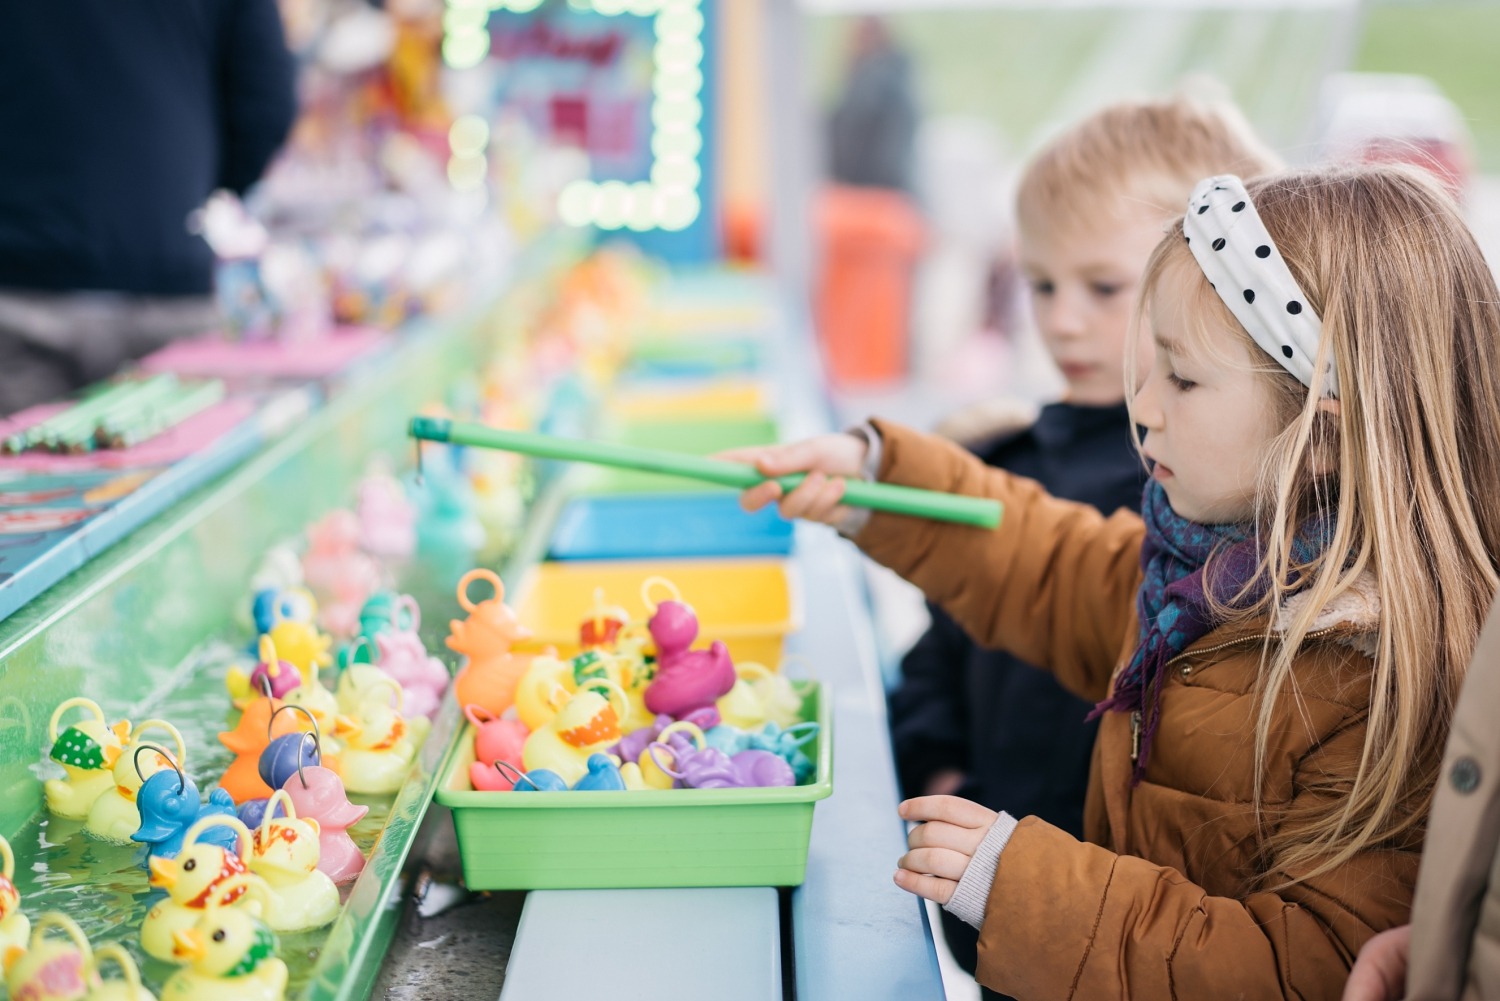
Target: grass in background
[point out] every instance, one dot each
(1028, 71)
(1454, 44)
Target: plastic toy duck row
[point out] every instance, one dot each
(55, 969)
(485, 637)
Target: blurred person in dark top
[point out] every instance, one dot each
(121, 119)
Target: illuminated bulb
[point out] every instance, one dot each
(466, 173)
(575, 205)
(676, 208)
(615, 200)
(642, 214)
(469, 135)
(466, 48)
(676, 173)
(680, 141)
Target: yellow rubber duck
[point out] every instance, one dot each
(50, 969)
(128, 988)
(545, 688)
(302, 644)
(197, 876)
(380, 745)
(355, 684)
(114, 817)
(588, 724)
(15, 927)
(285, 855)
(230, 955)
(87, 752)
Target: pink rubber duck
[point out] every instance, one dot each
(387, 518)
(422, 677)
(337, 571)
(685, 679)
(490, 677)
(494, 740)
(318, 794)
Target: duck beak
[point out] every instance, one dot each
(163, 872)
(111, 755)
(188, 944)
(347, 726)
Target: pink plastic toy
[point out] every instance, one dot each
(318, 794)
(422, 677)
(387, 519)
(685, 679)
(490, 677)
(495, 740)
(338, 572)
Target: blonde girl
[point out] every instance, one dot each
(1276, 644)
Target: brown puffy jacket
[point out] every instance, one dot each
(1169, 898)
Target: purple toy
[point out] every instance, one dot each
(271, 675)
(711, 768)
(632, 744)
(253, 811)
(686, 679)
(283, 756)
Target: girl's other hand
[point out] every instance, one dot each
(949, 830)
(1379, 973)
(827, 459)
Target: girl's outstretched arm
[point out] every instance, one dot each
(1055, 584)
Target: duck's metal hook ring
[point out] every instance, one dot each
(136, 760)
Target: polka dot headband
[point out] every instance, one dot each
(1232, 246)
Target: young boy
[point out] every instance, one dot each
(1091, 206)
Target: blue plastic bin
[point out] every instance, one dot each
(641, 526)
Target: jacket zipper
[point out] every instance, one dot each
(1135, 716)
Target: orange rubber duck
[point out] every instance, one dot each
(247, 740)
(490, 677)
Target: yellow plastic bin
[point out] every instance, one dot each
(666, 400)
(750, 604)
(668, 837)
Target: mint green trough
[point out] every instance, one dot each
(146, 629)
(609, 840)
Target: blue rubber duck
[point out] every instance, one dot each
(169, 805)
(603, 775)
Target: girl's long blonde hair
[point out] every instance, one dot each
(1407, 464)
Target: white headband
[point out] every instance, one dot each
(1241, 262)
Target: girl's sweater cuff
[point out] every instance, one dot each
(973, 893)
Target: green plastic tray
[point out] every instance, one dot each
(692, 437)
(610, 840)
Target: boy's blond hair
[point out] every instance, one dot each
(1135, 153)
(1407, 464)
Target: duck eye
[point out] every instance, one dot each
(219, 935)
(190, 865)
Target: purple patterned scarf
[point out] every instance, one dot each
(1173, 604)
